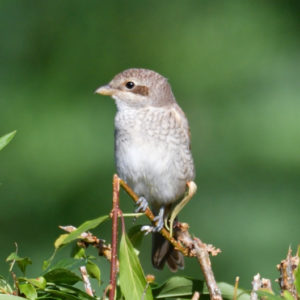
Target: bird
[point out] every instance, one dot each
(152, 151)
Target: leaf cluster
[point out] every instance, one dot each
(62, 280)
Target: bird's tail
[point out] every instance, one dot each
(163, 252)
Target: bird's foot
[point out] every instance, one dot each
(147, 229)
(159, 225)
(142, 205)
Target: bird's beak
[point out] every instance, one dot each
(105, 90)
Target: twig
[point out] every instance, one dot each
(16, 283)
(145, 291)
(14, 261)
(256, 285)
(87, 238)
(236, 285)
(105, 292)
(287, 278)
(205, 264)
(114, 238)
(135, 215)
(196, 296)
(150, 216)
(86, 281)
(187, 245)
(13, 275)
(260, 283)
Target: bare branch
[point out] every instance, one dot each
(202, 254)
(114, 238)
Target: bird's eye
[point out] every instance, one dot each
(130, 84)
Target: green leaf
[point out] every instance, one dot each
(12, 256)
(10, 297)
(59, 241)
(64, 291)
(268, 295)
(28, 290)
(5, 286)
(136, 235)
(78, 252)
(178, 286)
(67, 238)
(288, 296)
(94, 271)
(61, 295)
(227, 291)
(47, 263)
(132, 280)
(22, 262)
(39, 282)
(119, 295)
(5, 139)
(62, 276)
(68, 263)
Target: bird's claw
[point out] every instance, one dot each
(147, 229)
(142, 205)
(159, 225)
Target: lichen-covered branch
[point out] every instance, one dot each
(86, 281)
(287, 278)
(260, 283)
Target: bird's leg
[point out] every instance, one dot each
(159, 225)
(159, 219)
(192, 188)
(142, 204)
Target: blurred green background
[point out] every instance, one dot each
(234, 67)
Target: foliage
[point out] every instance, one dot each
(59, 279)
(5, 139)
(62, 279)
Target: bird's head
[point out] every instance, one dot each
(134, 88)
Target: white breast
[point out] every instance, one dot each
(146, 158)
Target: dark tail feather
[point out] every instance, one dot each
(164, 252)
